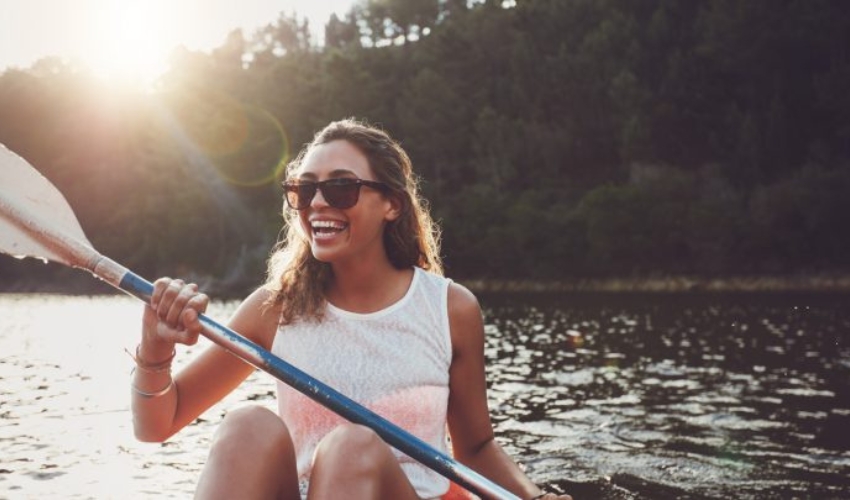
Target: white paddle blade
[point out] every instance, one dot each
(35, 219)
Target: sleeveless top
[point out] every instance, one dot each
(394, 361)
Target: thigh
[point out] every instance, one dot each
(354, 462)
(252, 456)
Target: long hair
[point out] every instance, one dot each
(298, 280)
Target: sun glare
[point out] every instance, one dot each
(132, 40)
(128, 41)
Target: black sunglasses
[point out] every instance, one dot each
(340, 193)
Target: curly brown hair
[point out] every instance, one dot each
(298, 280)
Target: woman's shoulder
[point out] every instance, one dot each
(260, 302)
(258, 316)
(462, 301)
(464, 310)
(466, 324)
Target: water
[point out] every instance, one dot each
(665, 396)
(603, 396)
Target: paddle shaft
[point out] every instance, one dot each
(323, 394)
(39, 229)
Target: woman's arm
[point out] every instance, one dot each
(172, 318)
(469, 422)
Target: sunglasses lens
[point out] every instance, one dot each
(338, 193)
(341, 193)
(299, 195)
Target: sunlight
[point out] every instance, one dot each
(129, 41)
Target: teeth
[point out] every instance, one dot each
(328, 224)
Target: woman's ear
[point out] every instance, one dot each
(396, 207)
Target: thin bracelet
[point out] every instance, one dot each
(149, 395)
(143, 365)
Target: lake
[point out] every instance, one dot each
(609, 396)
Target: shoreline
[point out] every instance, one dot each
(83, 284)
(838, 283)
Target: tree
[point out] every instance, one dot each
(340, 34)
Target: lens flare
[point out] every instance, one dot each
(246, 144)
(262, 156)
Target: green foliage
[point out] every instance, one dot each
(554, 138)
(633, 228)
(801, 220)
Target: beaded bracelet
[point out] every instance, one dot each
(162, 366)
(148, 395)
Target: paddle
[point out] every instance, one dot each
(36, 221)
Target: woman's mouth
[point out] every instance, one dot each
(326, 229)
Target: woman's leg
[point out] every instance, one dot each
(251, 457)
(353, 462)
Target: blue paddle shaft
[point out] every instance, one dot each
(332, 399)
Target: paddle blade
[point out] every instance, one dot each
(35, 219)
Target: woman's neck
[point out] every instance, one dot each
(368, 286)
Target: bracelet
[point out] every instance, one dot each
(538, 497)
(143, 365)
(149, 395)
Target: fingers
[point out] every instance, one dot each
(196, 305)
(176, 307)
(159, 288)
(176, 297)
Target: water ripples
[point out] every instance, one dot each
(603, 396)
(671, 397)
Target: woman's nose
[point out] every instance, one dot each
(318, 200)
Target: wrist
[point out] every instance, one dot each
(152, 359)
(154, 352)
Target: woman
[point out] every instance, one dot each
(355, 297)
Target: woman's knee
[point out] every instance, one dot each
(353, 444)
(253, 429)
(251, 456)
(352, 437)
(354, 459)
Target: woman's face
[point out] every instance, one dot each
(340, 235)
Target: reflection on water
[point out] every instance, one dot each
(603, 396)
(676, 396)
(65, 426)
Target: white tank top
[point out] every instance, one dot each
(394, 361)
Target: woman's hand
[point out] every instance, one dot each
(171, 318)
(553, 496)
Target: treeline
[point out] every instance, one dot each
(555, 138)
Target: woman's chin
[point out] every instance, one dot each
(322, 252)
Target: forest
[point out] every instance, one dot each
(554, 139)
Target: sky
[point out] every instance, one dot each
(101, 33)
